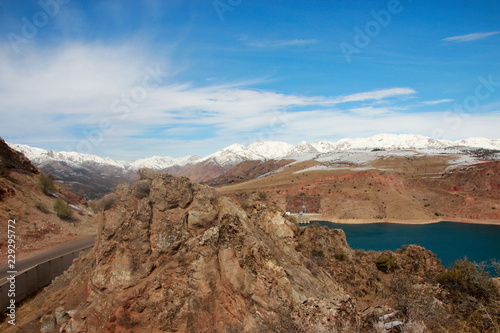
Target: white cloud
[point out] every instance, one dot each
(439, 101)
(470, 37)
(376, 95)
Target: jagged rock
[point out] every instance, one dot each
(48, 324)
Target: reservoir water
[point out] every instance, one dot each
(448, 240)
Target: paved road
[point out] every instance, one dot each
(22, 265)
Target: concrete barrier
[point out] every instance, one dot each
(37, 277)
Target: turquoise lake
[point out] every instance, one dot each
(448, 240)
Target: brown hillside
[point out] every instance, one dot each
(21, 198)
(396, 188)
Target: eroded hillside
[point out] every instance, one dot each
(22, 198)
(416, 189)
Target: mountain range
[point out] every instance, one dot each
(95, 175)
(261, 150)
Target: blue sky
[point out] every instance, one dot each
(130, 79)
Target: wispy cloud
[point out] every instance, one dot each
(376, 95)
(470, 37)
(439, 101)
(279, 43)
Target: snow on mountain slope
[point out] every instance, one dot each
(237, 153)
(159, 162)
(479, 143)
(40, 156)
(390, 141)
(303, 148)
(232, 155)
(324, 146)
(271, 149)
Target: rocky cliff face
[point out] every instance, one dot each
(11, 159)
(172, 256)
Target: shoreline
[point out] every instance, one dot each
(320, 217)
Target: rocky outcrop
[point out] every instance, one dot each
(175, 256)
(11, 159)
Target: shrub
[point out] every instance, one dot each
(108, 201)
(340, 256)
(385, 264)
(141, 188)
(47, 183)
(41, 207)
(94, 206)
(63, 210)
(466, 277)
(262, 196)
(318, 253)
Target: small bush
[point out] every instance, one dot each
(94, 206)
(47, 183)
(262, 196)
(63, 210)
(41, 208)
(340, 256)
(141, 188)
(108, 201)
(385, 264)
(318, 253)
(466, 277)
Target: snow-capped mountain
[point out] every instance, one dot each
(303, 148)
(271, 149)
(391, 141)
(97, 175)
(263, 151)
(479, 143)
(324, 146)
(232, 155)
(159, 162)
(237, 153)
(41, 156)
